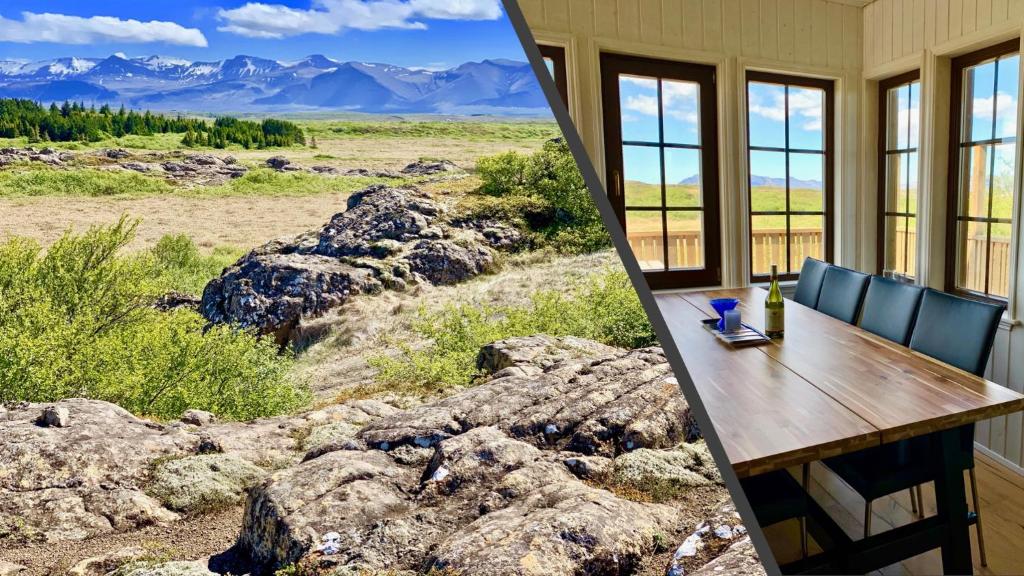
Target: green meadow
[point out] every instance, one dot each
(764, 198)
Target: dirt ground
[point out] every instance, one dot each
(242, 222)
(188, 539)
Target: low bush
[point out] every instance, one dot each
(76, 321)
(560, 212)
(182, 268)
(604, 308)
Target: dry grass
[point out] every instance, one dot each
(336, 367)
(234, 221)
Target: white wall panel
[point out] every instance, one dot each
(811, 37)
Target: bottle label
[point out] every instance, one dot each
(774, 320)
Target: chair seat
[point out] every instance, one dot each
(886, 469)
(775, 497)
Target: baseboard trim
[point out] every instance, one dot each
(1000, 459)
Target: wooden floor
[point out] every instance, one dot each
(1002, 512)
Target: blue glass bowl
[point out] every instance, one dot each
(723, 305)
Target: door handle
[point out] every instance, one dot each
(616, 184)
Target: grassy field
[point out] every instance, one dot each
(764, 198)
(39, 180)
(40, 202)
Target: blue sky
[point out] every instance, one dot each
(679, 115)
(416, 33)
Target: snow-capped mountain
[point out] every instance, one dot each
(248, 83)
(769, 181)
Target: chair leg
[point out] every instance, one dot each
(913, 501)
(920, 501)
(977, 512)
(803, 519)
(867, 518)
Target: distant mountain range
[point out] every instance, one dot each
(251, 84)
(768, 181)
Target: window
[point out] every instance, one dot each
(554, 59)
(898, 132)
(982, 170)
(789, 160)
(661, 151)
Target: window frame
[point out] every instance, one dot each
(883, 111)
(956, 109)
(561, 74)
(612, 65)
(828, 152)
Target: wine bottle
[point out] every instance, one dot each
(774, 308)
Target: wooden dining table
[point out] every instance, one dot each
(829, 388)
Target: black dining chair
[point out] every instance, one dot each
(890, 309)
(842, 293)
(959, 332)
(776, 497)
(808, 287)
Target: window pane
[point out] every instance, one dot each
(902, 116)
(973, 250)
(644, 232)
(806, 183)
(901, 244)
(638, 98)
(895, 256)
(641, 171)
(768, 243)
(806, 238)
(999, 261)
(914, 120)
(806, 111)
(550, 64)
(895, 181)
(1002, 180)
(767, 181)
(979, 84)
(685, 239)
(766, 106)
(975, 178)
(909, 237)
(894, 118)
(681, 103)
(911, 193)
(1006, 97)
(682, 177)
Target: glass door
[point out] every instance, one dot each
(661, 152)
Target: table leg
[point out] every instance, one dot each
(951, 500)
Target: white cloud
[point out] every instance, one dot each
(679, 99)
(642, 104)
(457, 9)
(259, 20)
(1005, 109)
(804, 105)
(64, 29)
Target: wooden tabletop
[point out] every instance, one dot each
(826, 388)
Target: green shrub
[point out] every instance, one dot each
(604, 308)
(182, 268)
(76, 321)
(550, 178)
(84, 182)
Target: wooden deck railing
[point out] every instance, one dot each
(685, 250)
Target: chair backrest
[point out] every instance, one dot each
(842, 293)
(956, 330)
(808, 287)
(890, 309)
